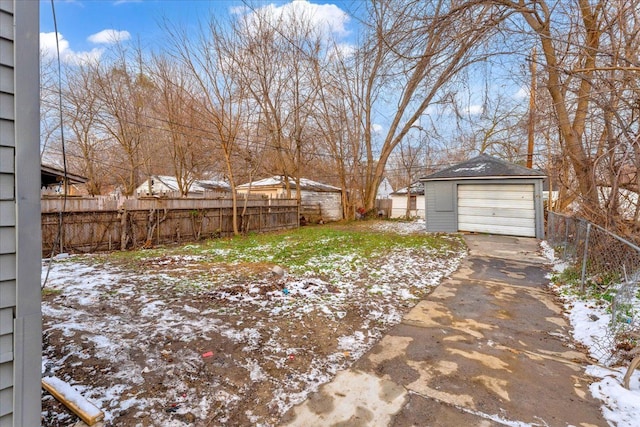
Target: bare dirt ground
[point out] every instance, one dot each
(151, 341)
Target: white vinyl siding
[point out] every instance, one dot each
(399, 206)
(497, 209)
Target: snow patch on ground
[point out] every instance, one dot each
(591, 327)
(161, 344)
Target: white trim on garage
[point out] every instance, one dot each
(507, 209)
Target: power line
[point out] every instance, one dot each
(65, 184)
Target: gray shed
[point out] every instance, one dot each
(485, 195)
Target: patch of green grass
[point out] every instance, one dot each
(569, 276)
(296, 248)
(599, 289)
(51, 292)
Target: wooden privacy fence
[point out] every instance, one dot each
(136, 223)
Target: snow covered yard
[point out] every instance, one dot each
(208, 334)
(591, 321)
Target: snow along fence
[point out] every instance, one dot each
(149, 222)
(604, 261)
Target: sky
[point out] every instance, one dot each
(88, 27)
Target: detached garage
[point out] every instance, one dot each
(485, 195)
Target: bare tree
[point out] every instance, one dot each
(49, 104)
(408, 163)
(413, 52)
(177, 114)
(275, 57)
(210, 59)
(122, 89)
(588, 50)
(86, 146)
(336, 120)
(499, 129)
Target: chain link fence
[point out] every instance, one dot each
(605, 263)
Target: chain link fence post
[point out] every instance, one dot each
(585, 255)
(609, 271)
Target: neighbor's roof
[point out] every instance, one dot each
(417, 188)
(51, 174)
(484, 167)
(199, 185)
(277, 181)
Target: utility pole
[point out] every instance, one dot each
(532, 106)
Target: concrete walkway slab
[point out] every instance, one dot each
(489, 346)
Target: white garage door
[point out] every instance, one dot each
(497, 209)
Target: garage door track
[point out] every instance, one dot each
(488, 347)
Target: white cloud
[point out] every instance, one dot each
(238, 10)
(67, 55)
(376, 128)
(475, 109)
(48, 44)
(346, 49)
(328, 18)
(522, 93)
(109, 36)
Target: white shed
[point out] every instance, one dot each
(318, 200)
(485, 195)
(408, 201)
(162, 184)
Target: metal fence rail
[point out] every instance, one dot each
(605, 262)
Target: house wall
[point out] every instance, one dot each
(441, 202)
(325, 204)
(271, 193)
(158, 187)
(20, 239)
(330, 204)
(399, 206)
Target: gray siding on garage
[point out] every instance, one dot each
(20, 243)
(440, 208)
(494, 192)
(442, 199)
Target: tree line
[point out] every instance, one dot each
(262, 93)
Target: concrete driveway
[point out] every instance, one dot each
(488, 347)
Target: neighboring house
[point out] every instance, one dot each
(158, 185)
(20, 235)
(52, 181)
(485, 195)
(318, 200)
(411, 197)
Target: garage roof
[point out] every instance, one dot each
(483, 167)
